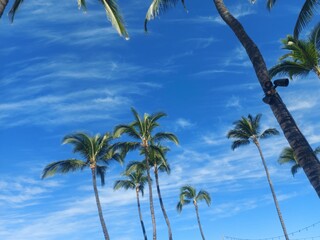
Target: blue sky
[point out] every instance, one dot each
(63, 70)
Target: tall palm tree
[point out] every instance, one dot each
(142, 131)
(304, 56)
(305, 155)
(134, 180)
(110, 6)
(287, 156)
(188, 194)
(97, 152)
(306, 13)
(159, 164)
(247, 130)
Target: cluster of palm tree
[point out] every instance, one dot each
(98, 151)
(296, 139)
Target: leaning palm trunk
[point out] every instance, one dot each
(150, 195)
(198, 218)
(161, 203)
(306, 157)
(256, 142)
(103, 224)
(3, 4)
(140, 215)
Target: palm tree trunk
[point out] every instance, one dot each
(154, 226)
(3, 4)
(304, 153)
(272, 190)
(198, 218)
(140, 216)
(161, 202)
(103, 224)
(316, 69)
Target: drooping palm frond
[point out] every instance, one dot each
(125, 184)
(101, 173)
(14, 9)
(188, 191)
(158, 137)
(314, 36)
(116, 19)
(3, 4)
(237, 143)
(269, 132)
(306, 13)
(292, 69)
(63, 167)
(204, 195)
(157, 7)
(126, 129)
(81, 144)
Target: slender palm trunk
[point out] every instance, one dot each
(154, 226)
(103, 224)
(3, 4)
(272, 190)
(140, 215)
(316, 69)
(305, 155)
(161, 202)
(198, 218)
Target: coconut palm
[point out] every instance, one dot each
(110, 6)
(248, 130)
(159, 164)
(97, 152)
(134, 180)
(188, 194)
(306, 13)
(142, 131)
(304, 56)
(287, 156)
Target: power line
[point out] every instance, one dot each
(282, 236)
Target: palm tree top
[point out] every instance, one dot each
(96, 151)
(189, 194)
(248, 128)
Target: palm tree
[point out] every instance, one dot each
(97, 153)
(305, 155)
(142, 130)
(160, 164)
(304, 56)
(287, 156)
(188, 194)
(306, 13)
(246, 130)
(134, 180)
(110, 6)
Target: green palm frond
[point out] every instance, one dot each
(126, 129)
(125, 184)
(188, 192)
(305, 15)
(113, 14)
(294, 169)
(238, 143)
(158, 137)
(204, 195)
(63, 167)
(269, 132)
(293, 69)
(14, 9)
(317, 150)
(135, 166)
(3, 4)
(101, 173)
(314, 36)
(81, 143)
(157, 7)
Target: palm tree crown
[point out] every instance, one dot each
(248, 128)
(287, 156)
(189, 194)
(96, 151)
(303, 57)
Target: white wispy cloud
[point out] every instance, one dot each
(184, 123)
